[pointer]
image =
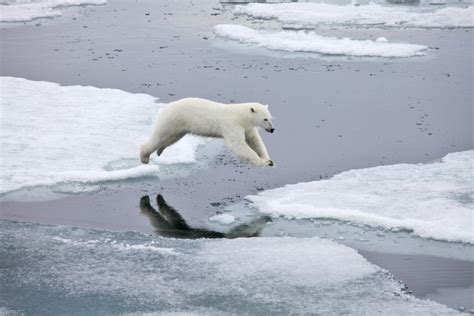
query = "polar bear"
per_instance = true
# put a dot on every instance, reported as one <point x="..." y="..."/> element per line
<point x="236" y="123"/>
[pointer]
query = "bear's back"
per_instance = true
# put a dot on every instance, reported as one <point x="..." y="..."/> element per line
<point x="197" y="103"/>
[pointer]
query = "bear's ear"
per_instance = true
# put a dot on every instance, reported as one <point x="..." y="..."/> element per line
<point x="252" y="110"/>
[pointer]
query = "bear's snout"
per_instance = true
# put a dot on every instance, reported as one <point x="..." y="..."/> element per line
<point x="271" y="130"/>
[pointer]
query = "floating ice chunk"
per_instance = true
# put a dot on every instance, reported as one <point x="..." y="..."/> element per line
<point x="252" y="276"/>
<point x="432" y="200"/>
<point x="313" y="14"/>
<point x="382" y="40"/>
<point x="52" y="134"/>
<point x="27" y="11"/>
<point x="225" y="219"/>
<point x="291" y="41"/>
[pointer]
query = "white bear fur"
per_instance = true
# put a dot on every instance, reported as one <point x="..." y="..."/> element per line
<point x="236" y="123"/>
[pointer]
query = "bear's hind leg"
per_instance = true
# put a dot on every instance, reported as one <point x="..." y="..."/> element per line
<point x="168" y="141"/>
<point x="144" y="155"/>
<point x="253" y="139"/>
<point x="156" y="143"/>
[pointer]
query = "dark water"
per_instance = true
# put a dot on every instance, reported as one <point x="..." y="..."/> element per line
<point x="330" y="115"/>
<point x="166" y="221"/>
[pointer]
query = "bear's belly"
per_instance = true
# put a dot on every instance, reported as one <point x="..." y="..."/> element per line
<point x="212" y="134"/>
<point x="206" y="128"/>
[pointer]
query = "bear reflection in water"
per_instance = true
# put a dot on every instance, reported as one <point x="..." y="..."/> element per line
<point x="169" y="223"/>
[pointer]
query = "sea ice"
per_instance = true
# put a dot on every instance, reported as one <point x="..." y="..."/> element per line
<point x="29" y="10"/>
<point x="433" y="200"/>
<point x="301" y="41"/>
<point x="313" y="14"/>
<point x="82" y="271"/>
<point x="53" y="134"/>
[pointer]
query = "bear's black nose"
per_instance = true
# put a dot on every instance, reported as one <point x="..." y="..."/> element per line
<point x="271" y="130"/>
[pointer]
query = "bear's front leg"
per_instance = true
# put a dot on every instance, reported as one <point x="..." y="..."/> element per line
<point x="253" y="139"/>
<point x="241" y="149"/>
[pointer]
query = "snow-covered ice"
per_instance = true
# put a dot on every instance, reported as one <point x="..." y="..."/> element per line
<point x="300" y="41"/>
<point x="19" y="11"/>
<point x="54" y="134"/>
<point x="433" y="200"/>
<point x="224" y="219"/>
<point x="314" y="14"/>
<point x="117" y="273"/>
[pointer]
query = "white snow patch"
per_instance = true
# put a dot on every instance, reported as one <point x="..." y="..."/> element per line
<point x="30" y="10"/>
<point x="225" y="219"/>
<point x="433" y="200"/>
<point x="53" y="134"/>
<point x="282" y="258"/>
<point x="313" y="14"/>
<point x="301" y="41"/>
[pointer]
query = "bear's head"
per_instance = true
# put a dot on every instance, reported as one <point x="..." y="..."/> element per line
<point x="260" y="116"/>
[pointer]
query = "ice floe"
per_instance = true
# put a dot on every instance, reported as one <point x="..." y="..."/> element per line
<point x="59" y="268"/>
<point x="433" y="200"/>
<point x="29" y="10"/>
<point x="300" y="41"/>
<point x="54" y="134"/>
<point x="313" y="14"/>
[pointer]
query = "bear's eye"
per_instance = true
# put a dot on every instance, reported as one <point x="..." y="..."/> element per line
<point x="265" y="120"/>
